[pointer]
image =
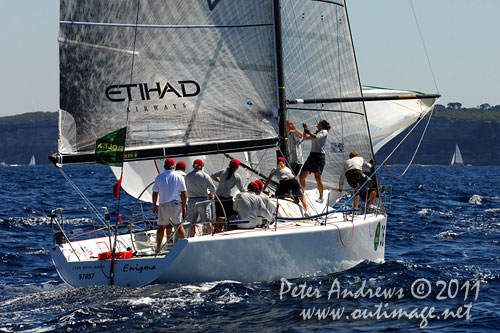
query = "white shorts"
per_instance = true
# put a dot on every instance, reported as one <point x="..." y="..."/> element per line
<point x="169" y="212"/>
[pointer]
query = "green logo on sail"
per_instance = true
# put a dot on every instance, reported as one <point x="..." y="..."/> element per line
<point x="376" y="240"/>
<point x="110" y="148"/>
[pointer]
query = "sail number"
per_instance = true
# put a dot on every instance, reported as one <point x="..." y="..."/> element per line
<point x="85" y="276"/>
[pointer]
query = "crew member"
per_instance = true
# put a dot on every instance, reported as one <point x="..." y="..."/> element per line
<point x="170" y="189"/>
<point x="288" y="184"/>
<point x="353" y="172"/>
<point x="199" y="186"/>
<point x="249" y="206"/>
<point x="228" y="179"/>
<point x="315" y="163"/>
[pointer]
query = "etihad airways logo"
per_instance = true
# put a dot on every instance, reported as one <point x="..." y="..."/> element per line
<point x="146" y="92"/>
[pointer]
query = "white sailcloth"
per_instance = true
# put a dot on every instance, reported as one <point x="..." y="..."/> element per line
<point x="457" y="158"/>
<point x="305" y="53"/>
<point x="179" y="76"/>
<point x="139" y="175"/>
<point x="387" y="119"/>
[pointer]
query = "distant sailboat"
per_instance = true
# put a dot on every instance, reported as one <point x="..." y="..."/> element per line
<point x="32" y="160"/>
<point x="457" y="157"/>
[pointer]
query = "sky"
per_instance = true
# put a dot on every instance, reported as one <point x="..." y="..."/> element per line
<point x="461" y="38"/>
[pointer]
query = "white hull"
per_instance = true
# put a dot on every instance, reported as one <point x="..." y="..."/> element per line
<point x="293" y="250"/>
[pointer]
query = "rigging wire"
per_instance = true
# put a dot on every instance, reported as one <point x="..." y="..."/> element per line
<point x="416" y="149"/>
<point x="94" y="210"/>
<point x="425" y="48"/>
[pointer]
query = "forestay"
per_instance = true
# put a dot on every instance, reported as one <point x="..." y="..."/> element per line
<point x="186" y="77"/>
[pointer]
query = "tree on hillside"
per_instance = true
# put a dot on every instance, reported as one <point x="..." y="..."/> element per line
<point x="440" y="107"/>
<point x="484" y="106"/>
<point x="454" y="105"/>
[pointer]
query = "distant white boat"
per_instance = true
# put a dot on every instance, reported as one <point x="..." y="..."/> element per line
<point x="32" y="160"/>
<point x="457" y="157"/>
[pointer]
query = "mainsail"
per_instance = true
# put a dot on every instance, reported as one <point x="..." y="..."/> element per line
<point x="188" y="78"/>
<point x="319" y="63"/>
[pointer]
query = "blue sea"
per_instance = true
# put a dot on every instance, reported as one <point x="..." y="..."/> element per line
<point x="441" y="270"/>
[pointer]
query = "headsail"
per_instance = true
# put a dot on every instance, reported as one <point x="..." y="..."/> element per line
<point x="389" y="118"/>
<point x="191" y="77"/>
<point x="319" y="63"/>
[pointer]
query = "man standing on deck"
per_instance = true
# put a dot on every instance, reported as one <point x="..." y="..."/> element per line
<point x="170" y="187"/>
<point x="199" y="185"/>
<point x="315" y="163"/>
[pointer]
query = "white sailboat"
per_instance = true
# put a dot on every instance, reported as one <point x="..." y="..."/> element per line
<point x="205" y="78"/>
<point x="32" y="160"/>
<point x="457" y="157"/>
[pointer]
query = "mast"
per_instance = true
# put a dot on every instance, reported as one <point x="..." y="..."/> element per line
<point x="283" y="147"/>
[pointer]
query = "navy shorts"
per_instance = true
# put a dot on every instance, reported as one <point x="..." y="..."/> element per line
<point x="227" y="206"/>
<point x="315" y="163"/>
<point x="289" y="185"/>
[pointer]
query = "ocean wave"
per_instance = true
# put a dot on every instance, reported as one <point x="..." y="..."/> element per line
<point x="476" y="199"/>
<point x="449" y="234"/>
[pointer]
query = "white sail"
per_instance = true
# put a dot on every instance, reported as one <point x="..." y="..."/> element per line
<point x="182" y="76"/>
<point x="387" y="119"/>
<point x="319" y="63"/>
<point x="32" y="160"/>
<point x="138" y="175"/>
<point x="309" y="30"/>
<point x="457" y="158"/>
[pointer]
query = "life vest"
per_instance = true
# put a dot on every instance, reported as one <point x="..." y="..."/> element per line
<point x="118" y="255"/>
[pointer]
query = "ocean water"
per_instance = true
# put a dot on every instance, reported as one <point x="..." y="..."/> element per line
<point x="441" y="270"/>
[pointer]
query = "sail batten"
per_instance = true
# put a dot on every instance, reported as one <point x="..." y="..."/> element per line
<point x="150" y="26"/>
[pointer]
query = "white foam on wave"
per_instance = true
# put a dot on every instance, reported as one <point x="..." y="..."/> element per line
<point x="141" y="301"/>
<point x="424" y="211"/>
<point x="476" y="199"/>
<point x="449" y="234"/>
